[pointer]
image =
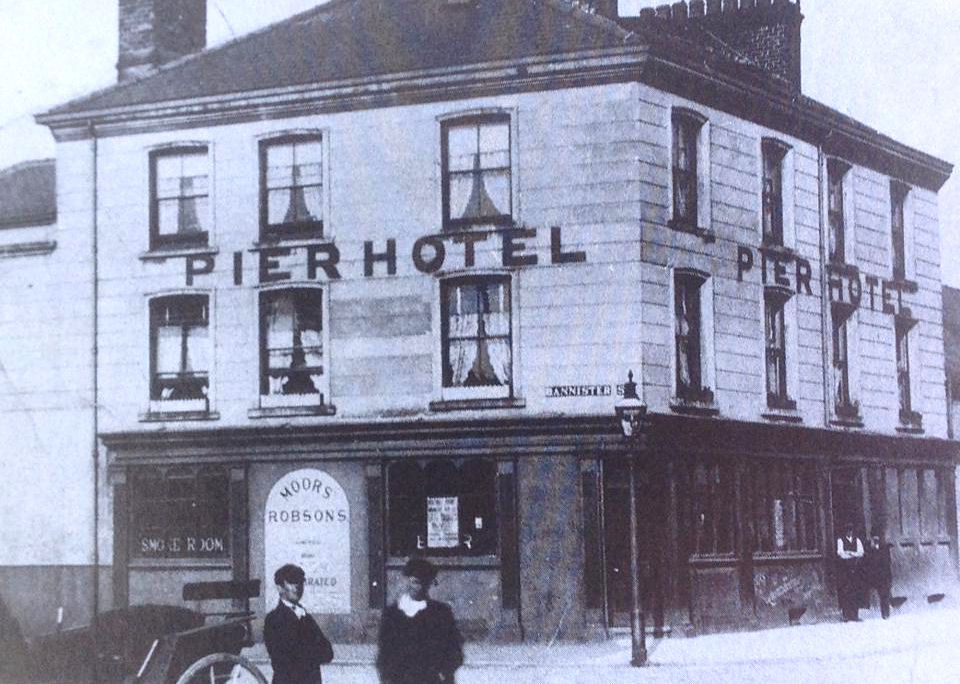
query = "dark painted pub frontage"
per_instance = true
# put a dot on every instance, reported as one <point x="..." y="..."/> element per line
<point x="736" y="520"/>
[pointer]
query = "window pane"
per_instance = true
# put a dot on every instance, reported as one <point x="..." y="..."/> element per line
<point x="198" y="349"/>
<point x="461" y="148"/>
<point x="495" y="144"/>
<point x="169" y="349"/>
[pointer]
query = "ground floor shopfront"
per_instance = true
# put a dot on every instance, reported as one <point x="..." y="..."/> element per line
<point x="528" y="519"/>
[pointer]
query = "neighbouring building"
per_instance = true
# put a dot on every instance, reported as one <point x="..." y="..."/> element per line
<point x="46" y="400"/>
<point x="369" y="282"/>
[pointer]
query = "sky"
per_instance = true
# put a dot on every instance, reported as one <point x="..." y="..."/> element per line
<point x="892" y="65"/>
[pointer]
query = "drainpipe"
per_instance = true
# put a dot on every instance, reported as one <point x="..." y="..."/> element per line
<point x="95" y="390"/>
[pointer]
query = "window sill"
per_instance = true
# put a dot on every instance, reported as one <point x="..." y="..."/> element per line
<point x="777" y="249"/>
<point x="173" y="251"/>
<point x="782" y="415"/>
<point x="909" y="430"/>
<point x="849" y="270"/>
<point x="179" y="563"/>
<point x="480" y="561"/>
<point x="271" y="242"/>
<point x="694" y="408"/>
<point x="292" y="410"/>
<point x="779" y="556"/>
<point x="705" y="234"/>
<point x="847" y="422"/>
<point x="444" y="405"/>
<point x="162" y="416"/>
<point x="847" y="415"/>
<point x="723" y="559"/>
<point x="905" y="284"/>
<point x="22" y="249"/>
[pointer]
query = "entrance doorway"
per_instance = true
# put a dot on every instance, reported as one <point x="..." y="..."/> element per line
<point x="847" y="491"/>
<point x="616" y="542"/>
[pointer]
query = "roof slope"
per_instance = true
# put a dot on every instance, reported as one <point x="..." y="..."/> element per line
<point x="28" y="194"/>
<point x="350" y="39"/>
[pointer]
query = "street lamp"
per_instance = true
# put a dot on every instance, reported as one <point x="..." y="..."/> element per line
<point x="632" y="414"/>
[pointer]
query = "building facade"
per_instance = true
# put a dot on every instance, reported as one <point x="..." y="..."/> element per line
<point x="379" y="298"/>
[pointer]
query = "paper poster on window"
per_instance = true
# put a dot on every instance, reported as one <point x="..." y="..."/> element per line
<point x="443" y="527"/>
<point x="779" y="537"/>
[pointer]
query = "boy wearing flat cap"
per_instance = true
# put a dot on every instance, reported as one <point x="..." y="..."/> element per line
<point x="294" y="641"/>
<point x="419" y="641"/>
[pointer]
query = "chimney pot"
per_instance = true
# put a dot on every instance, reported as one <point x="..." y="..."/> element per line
<point x="663" y="11"/>
<point x="696" y="8"/>
<point x="648" y="12"/>
<point x="730" y="6"/>
<point x="679" y="11"/>
<point x="713" y="6"/>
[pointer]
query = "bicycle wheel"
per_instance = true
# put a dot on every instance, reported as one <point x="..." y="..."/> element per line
<point x="222" y="668"/>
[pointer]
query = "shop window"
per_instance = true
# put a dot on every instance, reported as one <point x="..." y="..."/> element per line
<point x="775" y="334"/>
<point x="785" y="507"/>
<point x="837" y="172"/>
<point x="180" y="352"/>
<point x="687" y="127"/>
<point x="898" y="198"/>
<point x="179" y="207"/>
<point x="713" y="506"/>
<point x="477" y="176"/>
<point x="689" y="336"/>
<point x="179" y="512"/>
<point x="291" y="187"/>
<point x="442" y="508"/>
<point x="477" y="337"/>
<point x="291" y="345"/>
<point x="774" y="155"/>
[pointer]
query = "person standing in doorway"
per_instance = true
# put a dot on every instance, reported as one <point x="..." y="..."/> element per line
<point x="877" y="573"/>
<point x="419" y="642"/>
<point x="296" y="645"/>
<point x="849" y="554"/>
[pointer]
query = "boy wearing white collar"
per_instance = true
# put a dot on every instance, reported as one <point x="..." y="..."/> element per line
<point x="296" y="645"/>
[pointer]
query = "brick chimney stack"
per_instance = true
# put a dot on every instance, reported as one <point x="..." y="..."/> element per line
<point x="766" y="32"/>
<point x="154" y="32"/>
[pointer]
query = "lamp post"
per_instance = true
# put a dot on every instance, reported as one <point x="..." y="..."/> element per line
<point x="632" y="414"/>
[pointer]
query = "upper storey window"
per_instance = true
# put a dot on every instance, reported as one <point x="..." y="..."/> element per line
<point x="291" y="187"/>
<point x="898" y="200"/>
<point x="291" y="343"/>
<point x="477" y="178"/>
<point x="477" y="337"/>
<point x="179" y="207"/>
<point x="836" y="173"/>
<point x="687" y="168"/>
<point x="774" y="155"/>
<point x="180" y="350"/>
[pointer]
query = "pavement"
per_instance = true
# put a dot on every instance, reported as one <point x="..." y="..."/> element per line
<point x="918" y="648"/>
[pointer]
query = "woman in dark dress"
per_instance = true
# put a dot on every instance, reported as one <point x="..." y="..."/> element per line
<point x="419" y="641"/>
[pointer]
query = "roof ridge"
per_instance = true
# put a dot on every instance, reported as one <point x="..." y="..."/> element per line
<point x="299" y="17"/>
<point x="25" y="164"/>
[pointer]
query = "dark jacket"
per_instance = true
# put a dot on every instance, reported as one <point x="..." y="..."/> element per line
<point x="424" y="649"/>
<point x="876" y="566"/>
<point x="296" y="646"/>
